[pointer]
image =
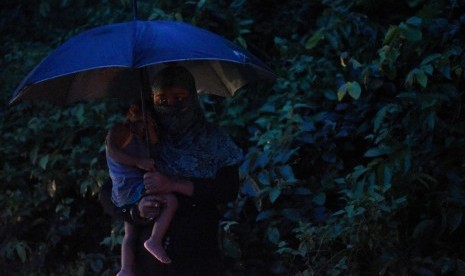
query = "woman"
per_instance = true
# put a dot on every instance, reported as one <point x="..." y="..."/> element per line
<point x="196" y="161"/>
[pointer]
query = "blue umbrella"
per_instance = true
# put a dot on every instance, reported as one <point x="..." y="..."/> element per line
<point x="105" y="62"/>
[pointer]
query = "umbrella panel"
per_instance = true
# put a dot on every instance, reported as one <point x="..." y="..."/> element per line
<point x="211" y="76"/>
<point x="219" y="66"/>
<point x="120" y="83"/>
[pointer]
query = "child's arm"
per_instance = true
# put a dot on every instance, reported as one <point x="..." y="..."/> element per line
<point x="117" y="138"/>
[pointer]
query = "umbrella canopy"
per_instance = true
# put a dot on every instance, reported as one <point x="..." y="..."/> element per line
<point x="104" y="62"/>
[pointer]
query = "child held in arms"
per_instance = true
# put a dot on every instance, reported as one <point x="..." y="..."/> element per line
<point x="127" y="158"/>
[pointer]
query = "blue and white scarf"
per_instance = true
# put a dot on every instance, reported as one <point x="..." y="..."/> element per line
<point x="190" y="147"/>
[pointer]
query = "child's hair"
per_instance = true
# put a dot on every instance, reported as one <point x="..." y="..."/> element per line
<point x="138" y="102"/>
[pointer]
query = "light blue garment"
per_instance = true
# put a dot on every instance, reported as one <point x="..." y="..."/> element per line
<point x="128" y="182"/>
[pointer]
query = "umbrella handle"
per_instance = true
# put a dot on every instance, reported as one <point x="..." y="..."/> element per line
<point x="144" y="91"/>
<point x="134" y="9"/>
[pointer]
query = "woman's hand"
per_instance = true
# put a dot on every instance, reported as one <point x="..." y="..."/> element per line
<point x="149" y="206"/>
<point x="158" y="183"/>
<point x="146" y="164"/>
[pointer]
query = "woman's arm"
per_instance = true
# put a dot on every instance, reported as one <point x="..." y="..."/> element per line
<point x="223" y="188"/>
<point x="147" y="207"/>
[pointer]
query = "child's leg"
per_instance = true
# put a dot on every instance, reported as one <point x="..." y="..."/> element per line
<point x="155" y="243"/>
<point x="127" y="250"/>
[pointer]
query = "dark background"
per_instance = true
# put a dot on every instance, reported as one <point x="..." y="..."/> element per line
<point x="354" y="155"/>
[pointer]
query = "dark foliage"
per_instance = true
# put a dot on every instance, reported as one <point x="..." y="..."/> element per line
<point x="354" y="156"/>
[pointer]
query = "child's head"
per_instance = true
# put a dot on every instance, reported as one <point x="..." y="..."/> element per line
<point x="134" y="112"/>
<point x="135" y="120"/>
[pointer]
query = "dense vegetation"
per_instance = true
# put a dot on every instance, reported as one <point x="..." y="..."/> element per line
<point x="354" y="155"/>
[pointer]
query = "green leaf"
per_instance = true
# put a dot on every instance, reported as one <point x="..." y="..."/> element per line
<point x="376" y="197"/>
<point x="96" y="265"/>
<point x="340" y="212"/>
<point x="262" y="160"/>
<point x="411" y="33"/>
<point x="400" y="200"/>
<point x="268" y="107"/>
<point x="359" y="188"/>
<point x="422" y="227"/>
<point x="291" y="214"/>
<point x="320" y="199"/>
<point x="359" y="211"/>
<point x="378" y="151"/>
<point x="354" y="90"/>
<point x="431" y="120"/>
<point x="273" y="235"/>
<point x="430" y="58"/>
<point x="428" y="69"/>
<point x="80" y="114"/>
<point x="341" y="92"/>
<point x="68" y="200"/>
<point x="287" y="173"/>
<point x="244" y="169"/>
<point x="385" y="208"/>
<point x="44" y="9"/>
<point x="391" y="34"/>
<point x="421" y="78"/>
<point x="231" y="248"/>
<point x="43" y="161"/>
<point x="379" y="117"/>
<point x="274" y="194"/>
<point x="445" y="71"/>
<point x="21" y="251"/>
<point x="242" y="42"/>
<point x="245" y="22"/>
<point x="350" y="211"/>
<point x="314" y="39"/>
<point x="264" y="215"/>
<point x="415" y="21"/>
<point x="264" y="178"/>
<point x="355" y="63"/>
<point x="387" y="178"/>
<point x="279" y="41"/>
<point x="33" y="154"/>
<point x="411" y="76"/>
<point x="358" y="171"/>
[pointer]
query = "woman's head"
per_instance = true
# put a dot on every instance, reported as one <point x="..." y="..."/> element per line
<point x="175" y="101"/>
<point x="189" y="147"/>
<point x="174" y="76"/>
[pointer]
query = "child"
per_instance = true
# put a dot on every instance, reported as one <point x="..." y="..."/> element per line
<point x="127" y="159"/>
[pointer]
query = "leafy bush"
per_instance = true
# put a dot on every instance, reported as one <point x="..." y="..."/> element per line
<point x="354" y="156"/>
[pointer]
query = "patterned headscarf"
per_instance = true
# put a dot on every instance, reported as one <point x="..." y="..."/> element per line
<point x="189" y="146"/>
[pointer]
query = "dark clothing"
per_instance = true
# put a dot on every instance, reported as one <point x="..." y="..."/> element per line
<point x="192" y="238"/>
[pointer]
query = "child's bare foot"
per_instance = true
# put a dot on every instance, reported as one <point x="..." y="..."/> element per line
<point x="126" y="272"/>
<point x="157" y="251"/>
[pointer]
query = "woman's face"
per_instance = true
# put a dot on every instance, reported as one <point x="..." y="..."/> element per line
<point x="170" y="96"/>
<point x="176" y="109"/>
